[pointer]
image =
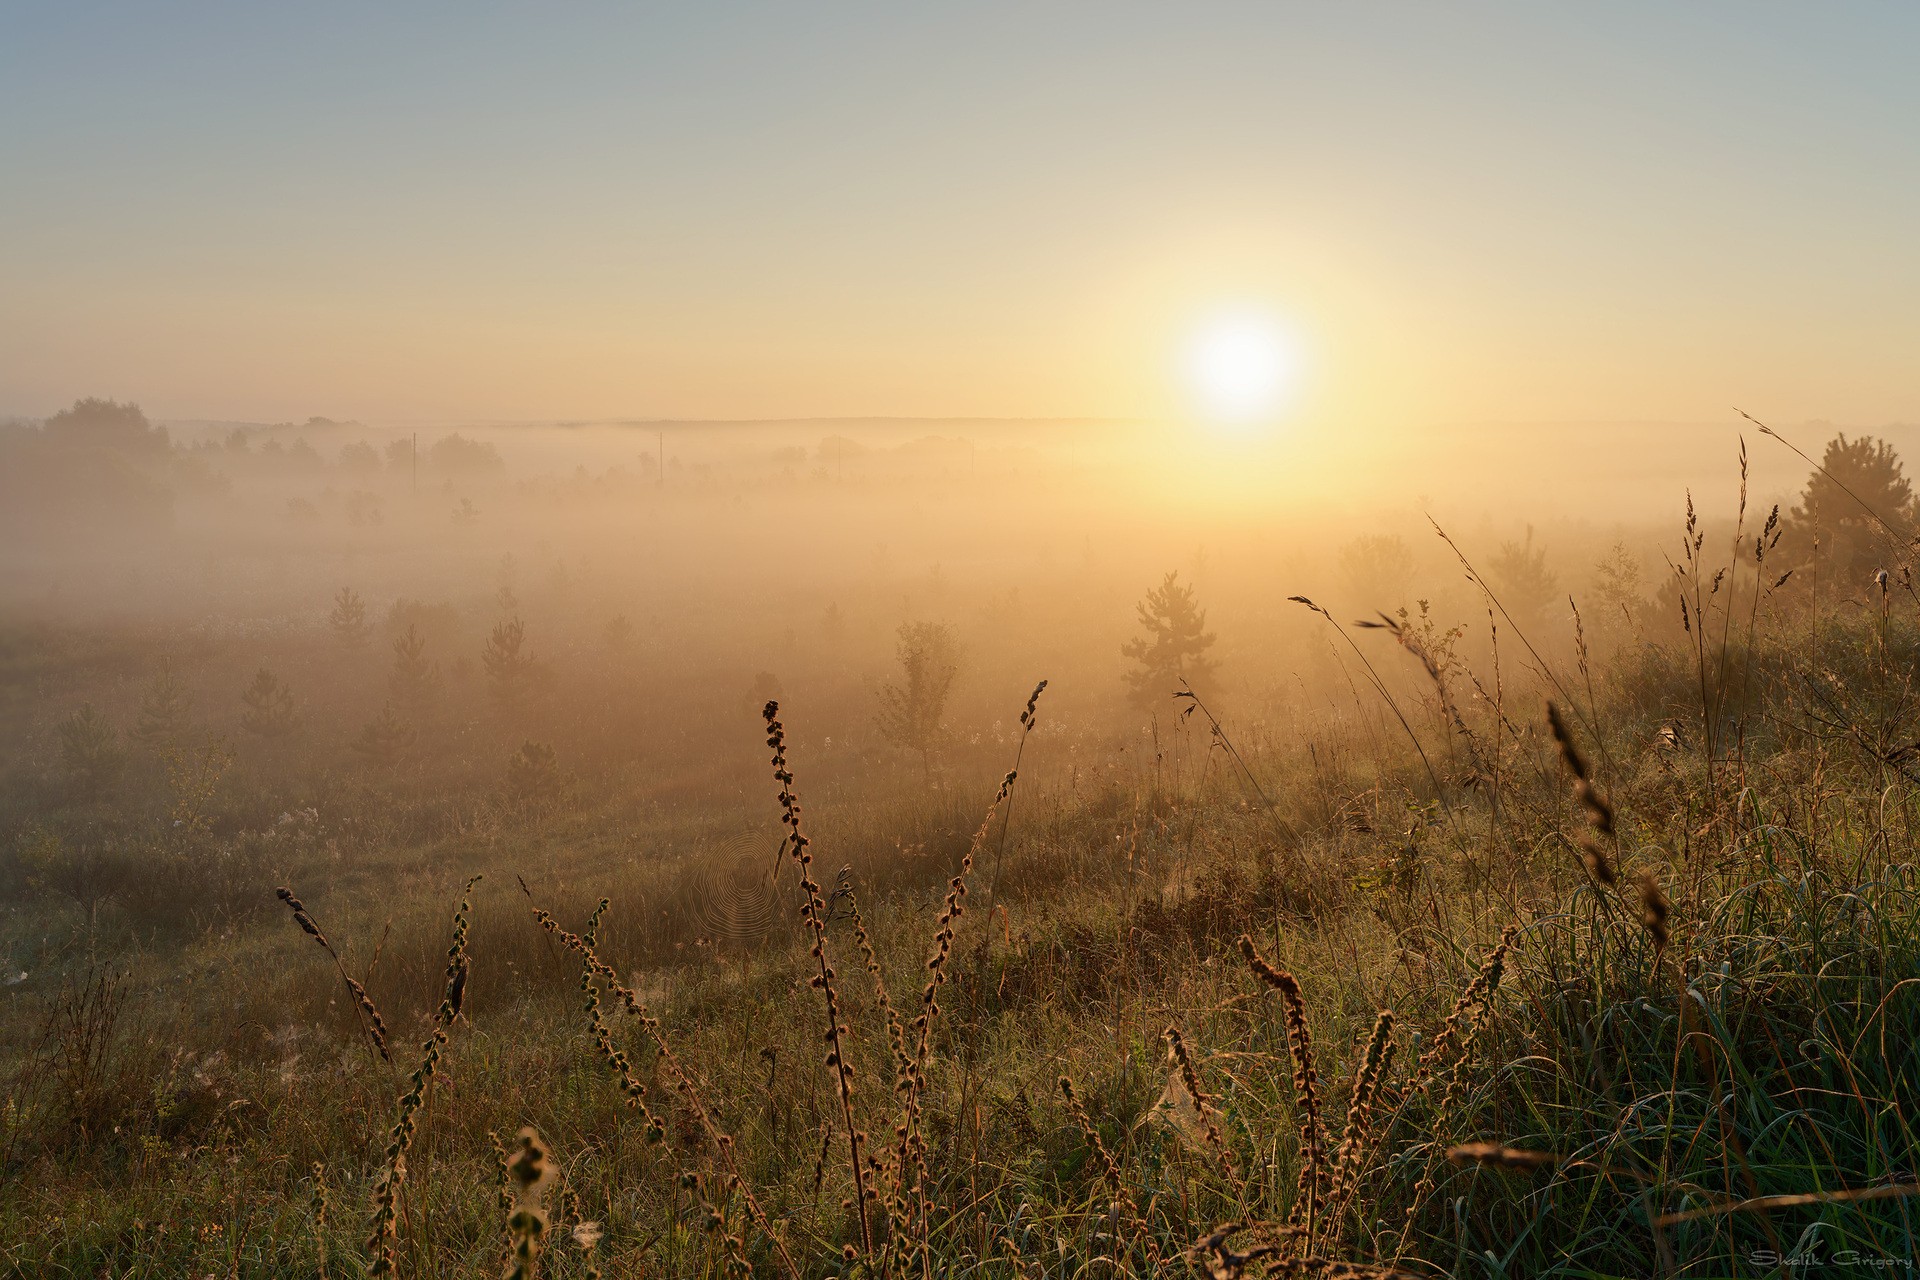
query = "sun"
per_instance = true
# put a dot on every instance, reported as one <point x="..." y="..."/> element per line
<point x="1241" y="367"/>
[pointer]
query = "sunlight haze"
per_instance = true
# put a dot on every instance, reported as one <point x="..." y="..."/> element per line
<point x="472" y="212"/>
<point x="1083" y="641"/>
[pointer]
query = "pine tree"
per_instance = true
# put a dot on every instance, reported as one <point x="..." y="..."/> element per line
<point x="349" y="619"/>
<point x="385" y="740"/>
<point x="1174" y="648"/>
<point x="193" y="775"/>
<point x="1527" y="586"/>
<point x="511" y="671"/>
<point x="1617" y="585"/>
<point x="1379" y="569"/>
<point x="162" y="720"/>
<point x="1861" y="507"/>
<point x="414" y="681"/>
<point x="533" y="775"/>
<point x="269" y="706"/>
<point x="911" y="711"/>
<point x="89" y="752"/>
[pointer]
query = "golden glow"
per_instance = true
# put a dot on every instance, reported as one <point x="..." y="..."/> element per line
<point x="1445" y="248"/>
<point x="1241" y="368"/>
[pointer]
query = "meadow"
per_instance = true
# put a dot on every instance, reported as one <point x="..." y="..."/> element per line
<point x="491" y="883"/>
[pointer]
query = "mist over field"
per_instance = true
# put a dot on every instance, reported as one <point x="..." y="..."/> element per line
<point x="666" y="575"/>
<point x="361" y="667"/>
<point x="959" y="642"/>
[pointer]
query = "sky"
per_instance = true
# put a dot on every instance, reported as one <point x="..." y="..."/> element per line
<point x="1458" y="213"/>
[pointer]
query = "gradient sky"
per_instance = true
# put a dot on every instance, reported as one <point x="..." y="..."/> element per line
<point x="1518" y="212"/>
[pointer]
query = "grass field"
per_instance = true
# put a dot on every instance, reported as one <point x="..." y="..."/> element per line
<point x="1419" y="983"/>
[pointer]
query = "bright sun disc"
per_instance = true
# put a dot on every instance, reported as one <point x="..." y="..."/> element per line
<point x="1240" y="368"/>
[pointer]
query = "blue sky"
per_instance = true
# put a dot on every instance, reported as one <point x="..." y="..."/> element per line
<point x="1514" y="211"/>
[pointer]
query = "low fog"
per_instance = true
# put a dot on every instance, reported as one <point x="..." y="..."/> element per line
<point x="1294" y="683"/>
<point x="708" y="556"/>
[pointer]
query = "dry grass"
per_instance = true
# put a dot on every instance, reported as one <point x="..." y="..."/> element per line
<point x="1693" y="1043"/>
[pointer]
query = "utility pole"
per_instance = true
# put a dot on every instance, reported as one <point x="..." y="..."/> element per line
<point x="416" y="464"/>
<point x="660" y="473"/>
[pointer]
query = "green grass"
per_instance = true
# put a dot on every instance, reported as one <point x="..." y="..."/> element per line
<point x="184" y="1119"/>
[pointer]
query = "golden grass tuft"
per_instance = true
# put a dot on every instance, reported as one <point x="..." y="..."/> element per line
<point x="1441" y="1072"/>
<point x="1209" y="1114"/>
<point x="1308" y="1197"/>
<point x="1598" y="811"/>
<point x="911" y="1151"/>
<point x="814" y="910"/>
<point x="1355" y="1139"/>
<point x="601" y="973"/>
<point x="530" y="1171"/>
<point x="1655" y="911"/>
<point x="369" y="1013"/>
<point x="386" y="1193"/>
<point x="1125" y="1209"/>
